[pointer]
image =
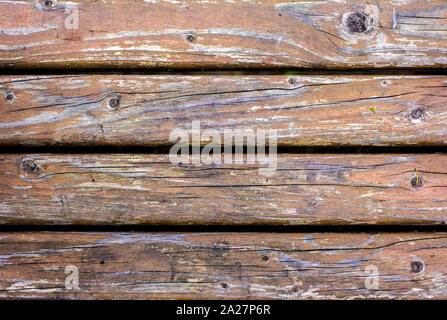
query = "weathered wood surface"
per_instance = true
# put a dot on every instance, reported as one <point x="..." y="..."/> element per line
<point x="306" y="189"/>
<point x="325" y="110"/>
<point x="224" y="265"/>
<point x="219" y="33"/>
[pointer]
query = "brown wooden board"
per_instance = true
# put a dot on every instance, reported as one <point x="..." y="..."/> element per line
<point x="138" y="110"/>
<point x="219" y="33"/>
<point x="224" y="265"/>
<point x="305" y="189"/>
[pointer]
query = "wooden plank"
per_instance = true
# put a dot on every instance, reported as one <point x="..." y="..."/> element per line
<point x="306" y="189"/>
<point x="305" y="110"/>
<point x="224" y="265"/>
<point x="219" y="33"/>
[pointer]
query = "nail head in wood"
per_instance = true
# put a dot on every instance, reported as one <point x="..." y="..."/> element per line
<point x="190" y="38"/>
<point x="49" y="4"/>
<point x="9" y="97"/>
<point x="114" y="103"/>
<point x="417" y="113"/>
<point x="416" y="266"/>
<point x="416" y="182"/>
<point x="292" y="81"/>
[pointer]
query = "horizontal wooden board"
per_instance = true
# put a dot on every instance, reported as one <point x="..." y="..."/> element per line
<point x="141" y="110"/>
<point x="219" y="33"/>
<point x="224" y="265"/>
<point x="305" y="189"/>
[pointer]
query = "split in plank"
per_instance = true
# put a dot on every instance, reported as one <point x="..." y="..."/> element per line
<point x="306" y="189"/>
<point x="140" y="110"/>
<point x="223" y="34"/>
<point x="224" y="265"/>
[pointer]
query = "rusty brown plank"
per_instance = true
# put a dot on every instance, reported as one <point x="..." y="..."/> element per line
<point x="224" y="265"/>
<point x="191" y="33"/>
<point x="143" y="110"/>
<point x="304" y="189"/>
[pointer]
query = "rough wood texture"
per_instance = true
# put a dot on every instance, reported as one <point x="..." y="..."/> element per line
<point x="185" y="33"/>
<point x="326" y="110"/>
<point x="147" y="189"/>
<point x="224" y="265"/>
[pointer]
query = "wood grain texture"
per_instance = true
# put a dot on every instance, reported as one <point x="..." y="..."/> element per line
<point x="305" y="111"/>
<point x="219" y="33"/>
<point x="306" y="189"/>
<point x="224" y="265"/>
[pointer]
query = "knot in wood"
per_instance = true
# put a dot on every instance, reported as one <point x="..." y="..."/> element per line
<point x="416" y="266"/>
<point x="29" y="166"/>
<point x="356" y="22"/>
